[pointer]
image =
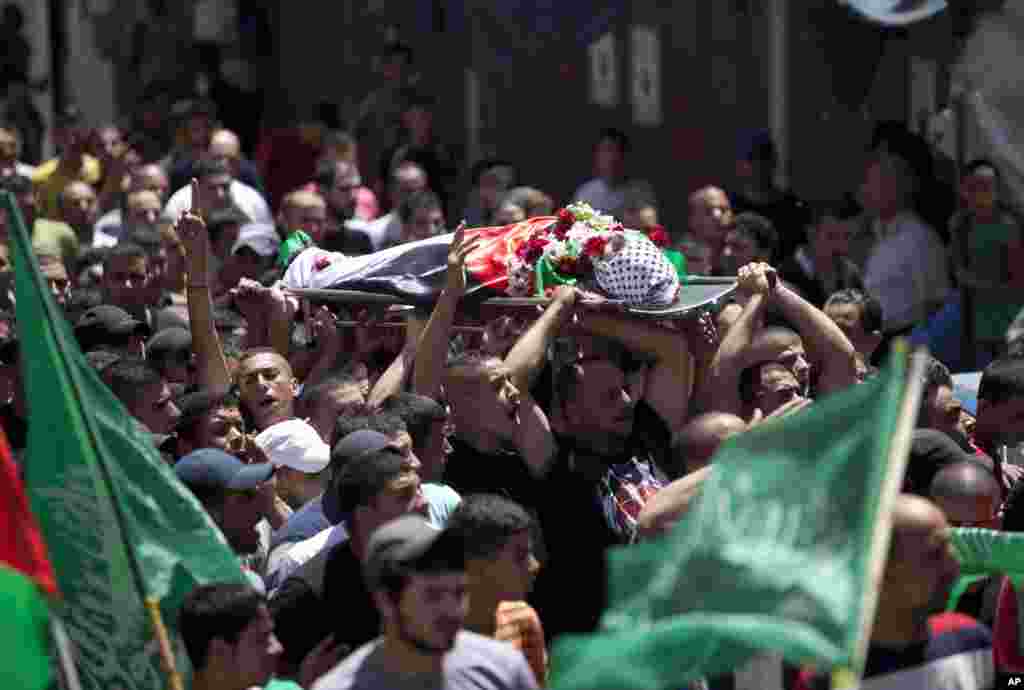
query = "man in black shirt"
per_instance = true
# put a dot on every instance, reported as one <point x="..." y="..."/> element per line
<point x="328" y="594"/>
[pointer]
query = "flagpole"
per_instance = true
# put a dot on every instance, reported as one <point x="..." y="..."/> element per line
<point x="65" y="657"/>
<point x="24" y="253"/>
<point x="899" y="452"/>
<point x="163" y="639"/>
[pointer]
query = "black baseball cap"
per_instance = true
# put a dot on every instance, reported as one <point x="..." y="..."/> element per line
<point x="410" y="544"/>
<point x="347" y="449"/>
<point x="107" y="324"/>
<point x="174" y="343"/>
<point x="214" y="469"/>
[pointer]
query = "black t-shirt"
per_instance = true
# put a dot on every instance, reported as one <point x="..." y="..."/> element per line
<point x="470" y="471"/>
<point x="325" y="595"/>
<point x="297" y="609"/>
<point x="571" y="589"/>
<point x="347" y="603"/>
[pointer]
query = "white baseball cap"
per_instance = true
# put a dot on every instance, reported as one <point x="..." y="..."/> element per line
<point x="260" y="237"/>
<point x="295" y="444"/>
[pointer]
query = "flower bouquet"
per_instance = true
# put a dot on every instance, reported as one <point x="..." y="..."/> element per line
<point x="583" y="247"/>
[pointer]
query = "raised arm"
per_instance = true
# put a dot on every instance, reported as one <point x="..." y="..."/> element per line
<point x="533" y="436"/>
<point x="395" y="377"/>
<point x="212" y="367"/>
<point x="526" y="358"/>
<point x="721" y="387"/>
<point x="432" y="350"/>
<point x="669" y="382"/>
<point x="827" y="344"/>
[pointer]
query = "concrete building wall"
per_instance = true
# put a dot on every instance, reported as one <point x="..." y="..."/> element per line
<point x="815" y="75"/>
<point x="89" y="75"/>
<point x="37" y="31"/>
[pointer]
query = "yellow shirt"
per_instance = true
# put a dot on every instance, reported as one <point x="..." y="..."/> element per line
<point x="50" y="181"/>
<point x="56" y="238"/>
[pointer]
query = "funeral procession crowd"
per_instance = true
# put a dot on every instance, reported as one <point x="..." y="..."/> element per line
<point x="424" y="495"/>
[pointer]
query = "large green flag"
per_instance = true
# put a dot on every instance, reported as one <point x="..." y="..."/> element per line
<point x="983" y="553"/>
<point x="119" y="525"/>
<point x="777" y="554"/>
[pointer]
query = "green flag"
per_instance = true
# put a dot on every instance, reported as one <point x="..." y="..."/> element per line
<point x="24" y="629"/>
<point x="776" y="554"/>
<point x="119" y="525"/>
<point x="983" y="553"/>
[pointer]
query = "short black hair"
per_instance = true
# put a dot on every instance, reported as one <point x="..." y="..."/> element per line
<point x="208" y="167"/>
<point x="399" y="49"/>
<point x="936" y="374"/>
<point x="870" y="307"/>
<point x="484" y="165"/>
<point x="363" y="477"/>
<point x="216" y="611"/>
<point x="195" y="406"/>
<point x="485" y="523"/>
<point x="1002" y="380"/>
<point x="387" y="424"/>
<point x="148" y="239"/>
<point x="758" y="229"/>
<point x="315" y="394"/>
<point x="418" y="412"/>
<point x="750" y="379"/>
<point x="326" y="174"/>
<point x="16" y="184"/>
<point x="130" y="377"/>
<point x="124" y="250"/>
<point x="220" y="218"/>
<point x="616" y="136"/>
<point x="418" y="201"/>
<point x="842" y="209"/>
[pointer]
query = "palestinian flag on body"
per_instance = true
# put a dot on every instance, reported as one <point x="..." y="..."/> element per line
<point x="26" y="581"/>
<point x="414" y="271"/>
<point x="527" y="259"/>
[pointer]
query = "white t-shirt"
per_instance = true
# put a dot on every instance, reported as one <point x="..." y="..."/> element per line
<point x="248" y="200"/>
<point x="608" y="199"/>
<point x="906" y="271"/>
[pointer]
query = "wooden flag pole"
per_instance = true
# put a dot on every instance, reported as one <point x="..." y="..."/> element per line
<point x="899" y="452"/>
<point x="174" y="681"/>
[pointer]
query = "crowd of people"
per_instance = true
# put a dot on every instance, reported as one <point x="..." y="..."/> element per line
<point x="434" y="493"/>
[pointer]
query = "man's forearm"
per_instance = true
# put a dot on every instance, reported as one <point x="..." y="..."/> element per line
<point x="637" y="336"/>
<point x="822" y="336"/>
<point x="526" y="358"/>
<point x="432" y="348"/>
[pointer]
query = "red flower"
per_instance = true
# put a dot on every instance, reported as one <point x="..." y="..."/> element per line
<point x="532" y="249"/>
<point x="658" y="235"/>
<point x="561" y="231"/>
<point x="321" y="263"/>
<point x="565" y="217"/>
<point x="594" y="246"/>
